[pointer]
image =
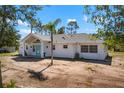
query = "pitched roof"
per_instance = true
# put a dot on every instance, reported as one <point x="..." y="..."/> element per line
<point x="76" y="38"/>
<point x="63" y="38"/>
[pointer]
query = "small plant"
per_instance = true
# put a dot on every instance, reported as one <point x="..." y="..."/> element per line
<point x="91" y="69"/>
<point x="89" y="82"/>
<point x="11" y="84"/>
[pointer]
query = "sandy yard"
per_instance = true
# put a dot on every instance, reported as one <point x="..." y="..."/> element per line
<point x="64" y="73"/>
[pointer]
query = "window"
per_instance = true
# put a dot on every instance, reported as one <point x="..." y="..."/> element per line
<point x="65" y="46"/>
<point x="84" y="48"/>
<point x="53" y="47"/>
<point x="33" y="48"/>
<point x="27" y="47"/>
<point x="93" y="48"/>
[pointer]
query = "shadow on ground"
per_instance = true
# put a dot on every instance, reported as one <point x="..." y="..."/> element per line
<point x="107" y="61"/>
<point x="26" y="59"/>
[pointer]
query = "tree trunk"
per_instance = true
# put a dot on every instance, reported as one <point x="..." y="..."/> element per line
<point x="3" y="27"/>
<point x="1" y="85"/>
<point x="51" y="48"/>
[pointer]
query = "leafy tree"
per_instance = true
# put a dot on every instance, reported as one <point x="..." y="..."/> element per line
<point x="110" y="22"/>
<point x="61" y="30"/>
<point x="31" y="15"/>
<point x="72" y="26"/>
<point x="9" y="15"/>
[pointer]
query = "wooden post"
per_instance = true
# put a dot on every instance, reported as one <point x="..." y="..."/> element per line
<point x="1" y="85"/>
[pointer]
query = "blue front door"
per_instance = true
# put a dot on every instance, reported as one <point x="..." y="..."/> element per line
<point x="38" y="50"/>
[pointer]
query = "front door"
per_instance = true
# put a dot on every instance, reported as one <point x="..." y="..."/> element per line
<point x="38" y="50"/>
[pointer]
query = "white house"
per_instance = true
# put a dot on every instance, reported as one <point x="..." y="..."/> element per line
<point x="65" y="46"/>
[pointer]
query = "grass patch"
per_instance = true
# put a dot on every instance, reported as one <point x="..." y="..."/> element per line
<point x="11" y="84"/>
<point x="111" y="53"/>
<point x="10" y="54"/>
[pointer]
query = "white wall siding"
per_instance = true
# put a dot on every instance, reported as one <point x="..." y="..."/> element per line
<point x="100" y="55"/>
<point x="21" y="49"/>
<point x="62" y="52"/>
<point x="47" y="49"/>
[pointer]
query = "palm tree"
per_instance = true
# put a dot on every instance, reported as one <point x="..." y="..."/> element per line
<point x="51" y="27"/>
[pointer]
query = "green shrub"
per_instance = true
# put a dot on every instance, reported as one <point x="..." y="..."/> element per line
<point x="11" y="84"/>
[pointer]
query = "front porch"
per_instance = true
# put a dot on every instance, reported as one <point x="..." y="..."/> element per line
<point x="35" y="47"/>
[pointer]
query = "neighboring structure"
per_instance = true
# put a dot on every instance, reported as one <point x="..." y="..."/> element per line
<point x="7" y="49"/>
<point x="65" y="46"/>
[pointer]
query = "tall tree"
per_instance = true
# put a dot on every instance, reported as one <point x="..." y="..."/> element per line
<point x="61" y="30"/>
<point x="9" y="15"/>
<point x="51" y="27"/>
<point x="72" y="27"/>
<point x="109" y="20"/>
<point x="107" y="17"/>
<point x="31" y="15"/>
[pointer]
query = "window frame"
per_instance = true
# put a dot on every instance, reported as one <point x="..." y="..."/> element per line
<point x="85" y="47"/>
<point x="54" y="47"/>
<point x="33" y="48"/>
<point x="89" y="49"/>
<point x="93" y="48"/>
<point x="26" y="47"/>
<point x="65" y="46"/>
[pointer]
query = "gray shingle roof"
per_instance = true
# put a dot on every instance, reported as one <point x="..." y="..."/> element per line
<point x="63" y="38"/>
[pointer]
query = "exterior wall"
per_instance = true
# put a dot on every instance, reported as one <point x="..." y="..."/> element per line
<point x="62" y="52"/>
<point x="30" y="51"/>
<point x="21" y="49"/>
<point x="9" y="49"/>
<point x="42" y="49"/>
<point x="47" y="49"/>
<point x="100" y="55"/>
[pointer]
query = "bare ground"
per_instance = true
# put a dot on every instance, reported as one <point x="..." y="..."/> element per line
<point x="64" y="73"/>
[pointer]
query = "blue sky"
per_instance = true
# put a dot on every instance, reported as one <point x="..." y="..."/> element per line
<point x="65" y="13"/>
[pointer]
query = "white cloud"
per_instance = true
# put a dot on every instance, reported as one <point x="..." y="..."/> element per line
<point x="85" y="18"/>
<point x="89" y="30"/>
<point x="71" y="20"/>
<point x="22" y="23"/>
<point x="25" y="31"/>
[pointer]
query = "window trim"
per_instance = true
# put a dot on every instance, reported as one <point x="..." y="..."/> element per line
<point x="33" y="48"/>
<point x="93" y="51"/>
<point x="89" y="49"/>
<point x="54" y="47"/>
<point x="65" y="47"/>
<point x="26" y="47"/>
<point x="84" y="51"/>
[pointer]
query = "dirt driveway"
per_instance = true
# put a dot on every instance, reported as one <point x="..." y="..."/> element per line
<point x="64" y="73"/>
